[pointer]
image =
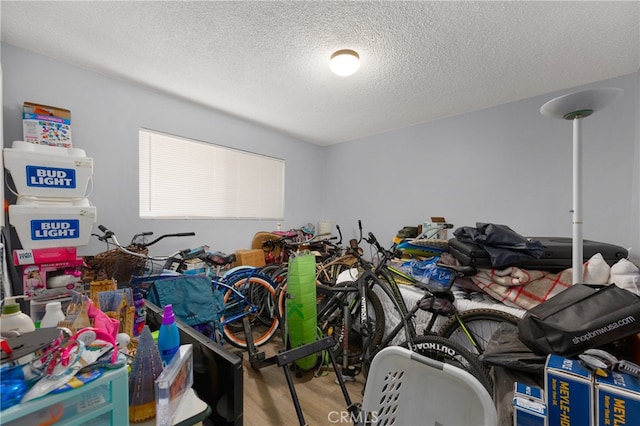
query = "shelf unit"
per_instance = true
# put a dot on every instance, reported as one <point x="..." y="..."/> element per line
<point x="105" y="401"/>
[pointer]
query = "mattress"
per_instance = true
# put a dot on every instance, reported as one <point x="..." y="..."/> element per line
<point x="464" y="301"/>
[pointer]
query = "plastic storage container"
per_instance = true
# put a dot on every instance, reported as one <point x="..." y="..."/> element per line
<point x="37" y="308"/>
<point x="104" y="401"/>
<point x="53" y="315"/>
<point x="14" y="319"/>
<point x="48" y="171"/>
<point x="52" y="223"/>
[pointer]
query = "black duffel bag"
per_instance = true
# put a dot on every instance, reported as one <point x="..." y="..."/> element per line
<point x="581" y="317"/>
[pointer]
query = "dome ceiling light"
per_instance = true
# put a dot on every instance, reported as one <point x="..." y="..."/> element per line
<point x="344" y="62"/>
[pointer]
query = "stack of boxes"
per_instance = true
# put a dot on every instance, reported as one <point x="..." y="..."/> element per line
<point x="575" y="396"/>
<point x="529" y="408"/>
<point x="51" y="215"/>
<point x="569" y="392"/>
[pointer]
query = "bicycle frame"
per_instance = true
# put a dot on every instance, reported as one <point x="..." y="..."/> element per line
<point x="408" y="315"/>
<point x="239" y="298"/>
<point x="382" y="275"/>
<point x="370" y="279"/>
<point x="339" y="297"/>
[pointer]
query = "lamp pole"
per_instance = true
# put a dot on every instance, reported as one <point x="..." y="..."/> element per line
<point x="575" y="107"/>
<point x="576" y="250"/>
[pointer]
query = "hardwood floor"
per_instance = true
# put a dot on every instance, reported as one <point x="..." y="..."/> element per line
<point x="267" y="400"/>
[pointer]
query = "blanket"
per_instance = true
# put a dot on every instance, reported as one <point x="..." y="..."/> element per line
<point x="527" y="288"/>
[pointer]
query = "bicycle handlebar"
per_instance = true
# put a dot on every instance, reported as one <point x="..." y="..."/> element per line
<point x="109" y="235"/>
<point x="179" y="234"/>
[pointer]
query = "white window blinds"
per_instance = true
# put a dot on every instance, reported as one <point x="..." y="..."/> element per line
<point x="187" y="179"/>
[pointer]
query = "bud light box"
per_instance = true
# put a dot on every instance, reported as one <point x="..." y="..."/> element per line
<point x="48" y="171"/>
<point x="568" y="392"/>
<point x="41" y="224"/>
<point x="617" y="399"/>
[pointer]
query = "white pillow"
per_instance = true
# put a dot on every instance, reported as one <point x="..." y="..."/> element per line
<point x="596" y="270"/>
<point x="626" y="275"/>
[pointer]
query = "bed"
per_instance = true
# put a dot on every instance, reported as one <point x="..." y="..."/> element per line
<point x="464" y="301"/>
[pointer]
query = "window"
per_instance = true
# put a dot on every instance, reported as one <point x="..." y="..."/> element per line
<point x="187" y="179"/>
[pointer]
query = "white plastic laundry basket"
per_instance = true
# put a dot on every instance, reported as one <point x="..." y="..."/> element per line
<point x="407" y="389"/>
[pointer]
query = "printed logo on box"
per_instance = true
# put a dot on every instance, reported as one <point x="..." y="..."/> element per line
<point x="55" y="229"/>
<point x="25" y="257"/>
<point x="51" y="177"/>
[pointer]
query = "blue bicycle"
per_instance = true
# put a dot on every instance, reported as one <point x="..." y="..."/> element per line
<point x="247" y="295"/>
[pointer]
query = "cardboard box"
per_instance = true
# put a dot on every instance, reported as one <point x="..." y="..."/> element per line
<point x="195" y="267"/>
<point x="617" y="399"/>
<point x="430" y="227"/>
<point x="44" y="255"/>
<point x="46" y="125"/>
<point x="568" y="392"/>
<point x="529" y="408"/>
<point x="253" y="257"/>
<point x="52" y="280"/>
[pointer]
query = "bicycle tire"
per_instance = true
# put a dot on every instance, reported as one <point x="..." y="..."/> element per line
<point x="267" y="308"/>
<point x="278" y="275"/>
<point x="330" y="320"/>
<point x="481" y="323"/>
<point x="449" y="352"/>
<point x="255" y="290"/>
<point x="270" y="270"/>
<point x="328" y="273"/>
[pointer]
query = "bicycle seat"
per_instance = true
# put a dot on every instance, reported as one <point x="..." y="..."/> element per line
<point x="459" y="270"/>
<point x="436" y="290"/>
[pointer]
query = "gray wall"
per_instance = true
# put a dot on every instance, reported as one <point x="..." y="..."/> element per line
<point x="507" y="164"/>
<point x="106" y="115"/>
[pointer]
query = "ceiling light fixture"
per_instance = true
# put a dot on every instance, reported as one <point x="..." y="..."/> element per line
<point x="344" y="62"/>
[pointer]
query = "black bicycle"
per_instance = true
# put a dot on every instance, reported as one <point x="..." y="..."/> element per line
<point x="352" y="312"/>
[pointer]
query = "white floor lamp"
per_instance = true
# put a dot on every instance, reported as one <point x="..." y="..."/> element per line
<point x="575" y="106"/>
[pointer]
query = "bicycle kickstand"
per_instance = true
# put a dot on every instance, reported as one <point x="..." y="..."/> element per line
<point x="257" y="359"/>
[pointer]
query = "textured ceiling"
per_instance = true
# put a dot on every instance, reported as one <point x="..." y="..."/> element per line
<point x="267" y="61"/>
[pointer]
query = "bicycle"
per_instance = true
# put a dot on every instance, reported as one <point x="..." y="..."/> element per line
<point x="249" y="302"/>
<point x="472" y="328"/>
<point x="243" y="291"/>
<point x="120" y="264"/>
<point x="330" y="257"/>
<point x="430" y="345"/>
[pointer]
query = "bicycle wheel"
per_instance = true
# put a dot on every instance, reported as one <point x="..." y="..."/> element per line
<point x="328" y="273"/>
<point x="330" y="321"/>
<point x="480" y="323"/>
<point x="270" y="270"/>
<point x="255" y="294"/>
<point x="266" y="306"/>
<point x="278" y="275"/>
<point x="449" y="352"/>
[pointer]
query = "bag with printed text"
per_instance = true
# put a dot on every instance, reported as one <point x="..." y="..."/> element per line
<point x="581" y="317"/>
